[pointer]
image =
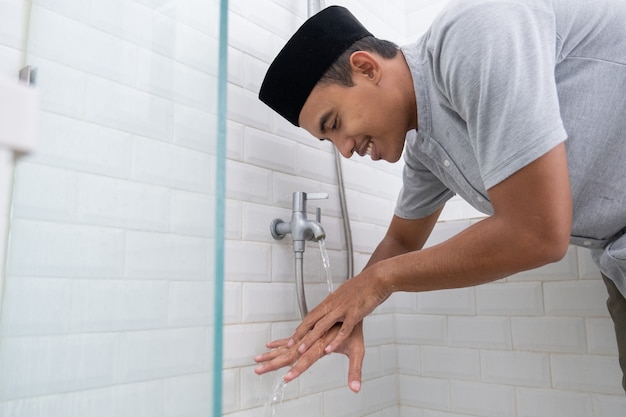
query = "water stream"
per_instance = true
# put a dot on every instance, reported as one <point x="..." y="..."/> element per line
<point x="276" y="399"/>
<point x="278" y="390"/>
<point x="326" y="263"/>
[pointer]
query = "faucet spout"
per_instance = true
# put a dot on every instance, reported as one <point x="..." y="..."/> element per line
<point x="300" y="227"/>
<point x="316" y="231"/>
<point x="303" y="229"/>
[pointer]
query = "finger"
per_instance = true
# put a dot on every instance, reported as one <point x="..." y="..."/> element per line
<point x="305" y="362"/>
<point x="277" y="343"/>
<point x="354" y="349"/>
<point x="307" y="324"/>
<point x="277" y="347"/>
<point x="343" y="333"/>
<point x="354" y="369"/>
<point x="286" y="358"/>
<point x="314" y="316"/>
<point x="318" y="332"/>
<point x="268" y="356"/>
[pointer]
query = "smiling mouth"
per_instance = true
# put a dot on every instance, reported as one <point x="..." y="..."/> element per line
<point x="366" y="147"/>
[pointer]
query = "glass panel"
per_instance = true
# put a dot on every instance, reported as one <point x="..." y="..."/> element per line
<point x="114" y="254"/>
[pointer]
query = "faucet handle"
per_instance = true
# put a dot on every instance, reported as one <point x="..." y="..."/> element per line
<point x="300" y="198"/>
<point x="316" y="196"/>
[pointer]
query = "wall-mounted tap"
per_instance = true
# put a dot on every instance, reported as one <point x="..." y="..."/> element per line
<point x="301" y="228"/>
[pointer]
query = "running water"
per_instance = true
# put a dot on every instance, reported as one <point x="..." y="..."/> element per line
<point x="326" y="263"/>
<point x="276" y="399"/>
<point x="278" y="391"/>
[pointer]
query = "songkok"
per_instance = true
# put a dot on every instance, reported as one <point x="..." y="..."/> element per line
<point x="306" y="57"/>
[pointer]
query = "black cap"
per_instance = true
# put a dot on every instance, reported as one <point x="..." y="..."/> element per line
<point x="306" y="57"/>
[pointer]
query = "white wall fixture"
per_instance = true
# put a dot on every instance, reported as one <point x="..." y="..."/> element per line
<point x="19" y="108"/>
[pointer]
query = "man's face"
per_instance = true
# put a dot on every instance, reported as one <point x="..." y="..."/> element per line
<point x="364" y="118"/>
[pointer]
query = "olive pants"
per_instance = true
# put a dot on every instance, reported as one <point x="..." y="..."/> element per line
<point x="617" y="308"/>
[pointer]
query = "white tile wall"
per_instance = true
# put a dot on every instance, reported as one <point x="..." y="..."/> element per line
<point x="482" y="399"/>
<point x="52" y="248"/>
<point x="510" y="298"/>
<point x="107" y="308"/>
<point x="421" y="329"/>
<point x="11" y="46"/>
<point x="36" y="306"/>
<point x="458" y="301"/>
<point x="35" y="366"/>
<point x="423" y="392"/>
<point x="187" y="395"/>
<point x="164" y="256"/>
<point x="162" y="353"/>
<point x="108" y="56"/>
<point x="590" y="373"/>
<point x="549" y="334"/>
<point x="480" y="332"/>
<point x="516" y="368"/>
<point x="600" y="338"/>
<point x="84" y="147"/>
<point x="450" y="362"/>
<point x="541" y="402"/>
<point x="107" y="305"/>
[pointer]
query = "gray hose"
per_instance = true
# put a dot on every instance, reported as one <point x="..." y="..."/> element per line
<point x="314" y="6"/>
<point x="300" y="285"/>
<point x="344" y="214"/>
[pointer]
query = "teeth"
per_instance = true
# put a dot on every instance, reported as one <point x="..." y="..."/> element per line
<point x="368" y="151"/>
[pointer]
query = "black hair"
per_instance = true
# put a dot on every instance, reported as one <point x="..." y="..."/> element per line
<point x="340" y="71"/>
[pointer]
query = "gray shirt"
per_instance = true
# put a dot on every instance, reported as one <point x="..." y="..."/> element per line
<point x="501" y="82"/>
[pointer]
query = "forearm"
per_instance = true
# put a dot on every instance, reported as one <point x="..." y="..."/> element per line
<point x="387" y="248"/>
<point x="404" y="236"/>
<point x="486" y="251"/>
<point x="530" y="227"/>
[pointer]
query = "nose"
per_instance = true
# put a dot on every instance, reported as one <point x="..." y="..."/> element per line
<point x="345" y="146"/>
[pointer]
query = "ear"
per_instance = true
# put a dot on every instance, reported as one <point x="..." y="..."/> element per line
<point x="366" y="64"/>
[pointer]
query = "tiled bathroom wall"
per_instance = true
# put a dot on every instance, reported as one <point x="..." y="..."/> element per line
<point x="537" y="344"/>
<point x="11" y="45"/>
<point x="108" y="296"/>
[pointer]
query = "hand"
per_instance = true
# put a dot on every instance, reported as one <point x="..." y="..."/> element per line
<point x="283" y="354"/>
<point x="347" y="306"/>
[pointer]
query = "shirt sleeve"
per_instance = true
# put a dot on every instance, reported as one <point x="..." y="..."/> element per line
<point x="422" y="192"/>
<point x="495" y="61"/>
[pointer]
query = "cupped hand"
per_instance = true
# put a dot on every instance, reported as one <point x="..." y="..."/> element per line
<point x="283" y="353"/>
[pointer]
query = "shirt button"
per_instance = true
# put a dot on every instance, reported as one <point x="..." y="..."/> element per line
<point x="587" y="243"/>
<point x="480" y="199"/>
<point x="446" y="162"/>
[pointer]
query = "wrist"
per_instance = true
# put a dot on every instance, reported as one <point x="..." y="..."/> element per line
<point x="383" y="279"/>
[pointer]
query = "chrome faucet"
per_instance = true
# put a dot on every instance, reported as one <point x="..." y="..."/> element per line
<point x="301" y="228"/>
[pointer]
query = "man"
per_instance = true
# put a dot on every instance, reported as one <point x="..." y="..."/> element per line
<point x="518" y="106"/>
